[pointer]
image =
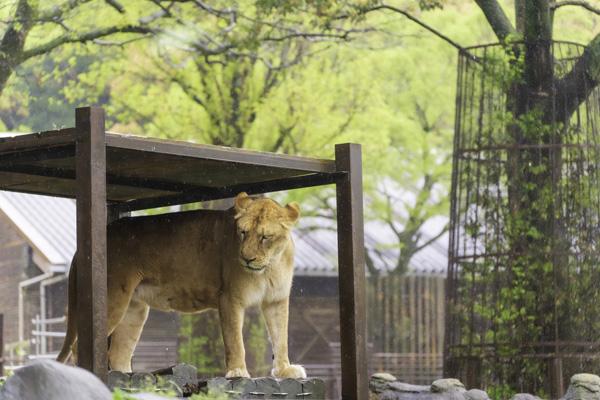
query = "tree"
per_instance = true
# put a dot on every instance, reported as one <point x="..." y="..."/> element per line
<point x="32" y="30"/>
<point x="528" y="266"/>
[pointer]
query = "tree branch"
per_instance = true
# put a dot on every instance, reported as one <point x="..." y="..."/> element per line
<point x="57" y="11"/>
<point x="575" y="87"/>
<point x="432" y="239"/>
<point x="578" y="3"/>
<point x="116" y="5"/>
<point x="13" y="41"/>
<point x="497" y="19"/>
<point x="83" y="38"/>
<point x="410" y="17"/>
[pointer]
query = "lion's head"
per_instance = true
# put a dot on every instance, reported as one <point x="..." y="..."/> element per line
<point x="263" y="228"/>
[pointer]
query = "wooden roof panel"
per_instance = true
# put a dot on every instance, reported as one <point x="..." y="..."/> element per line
<point x="144" y="169"/>
<point x="51" y="186"/>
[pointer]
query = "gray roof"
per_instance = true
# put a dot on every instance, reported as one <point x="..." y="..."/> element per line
<point x="316" y="249"/>
<point x="48" y="224"/>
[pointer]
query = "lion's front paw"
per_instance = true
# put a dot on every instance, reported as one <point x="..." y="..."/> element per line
<point x="237" y="373"/>
<point x="291" y="371"/>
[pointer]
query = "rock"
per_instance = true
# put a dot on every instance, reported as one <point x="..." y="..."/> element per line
<point x="313" y="389"/>
<point x="393" y="395"/>
<point x="268" y="386"/>
<point x="524" y="396"/>
<point x="218" y="385"/>
<point x="241" y="386"/>
<point x="383" y="381"/>
<point x="590" y="382"/>
<point x="118" y="379"/>
<point x="50" y="380"/>
<point x="186" y="378"/>
<point x="408" y="388"/>
<point x="186" y="372"/>
<point x="447" y="385"/>
<point x="291" y="387"/>
<point x="583" y="387"/>
<point x="142" y="380"/>
<point x="384" y="376"/>
<point x="476" y="394"/>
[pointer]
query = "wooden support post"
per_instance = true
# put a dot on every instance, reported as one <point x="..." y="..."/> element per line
<point x="1" y="344"/>
<point x="91" y="240"/>
<point x="555" y="375"/>
<point x="351" y="261"/>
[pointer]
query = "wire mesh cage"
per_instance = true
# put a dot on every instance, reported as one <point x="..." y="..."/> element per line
<point x="524" y="258"/>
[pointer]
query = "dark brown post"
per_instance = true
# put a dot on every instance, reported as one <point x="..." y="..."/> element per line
<point x="1" y="344"/>
<point x="555" y="373"/>
<point x="351" y="261"/>
<point x="91" y="240"/>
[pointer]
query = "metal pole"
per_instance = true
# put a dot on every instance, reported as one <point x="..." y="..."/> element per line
<point x="91" y="240"/>
<point x="351" y="261"/>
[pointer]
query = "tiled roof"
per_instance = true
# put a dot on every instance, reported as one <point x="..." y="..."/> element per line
<point x="48" y="224"/>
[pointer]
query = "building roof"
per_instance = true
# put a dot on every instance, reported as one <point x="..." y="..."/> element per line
<point x="48" y="224"/>
<point x="316" y="249"/>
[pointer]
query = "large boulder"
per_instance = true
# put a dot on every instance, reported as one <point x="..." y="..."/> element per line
<point x="524" y="396"/>
<point x="583" y="387"/>
<point x="476" y="394"/>
<point x="50" y="380"/>
<point x="447" y="385"/>
<point x="386" y="387"/>
<point x="441" y="389"/>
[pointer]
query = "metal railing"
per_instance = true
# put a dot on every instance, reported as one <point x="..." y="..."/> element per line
<point x="41" y="333"/>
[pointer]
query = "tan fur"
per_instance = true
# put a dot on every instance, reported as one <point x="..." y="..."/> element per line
<point x="194" y="261"/>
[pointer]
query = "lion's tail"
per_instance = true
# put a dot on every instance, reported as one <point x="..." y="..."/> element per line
<point x="71" y="335"/>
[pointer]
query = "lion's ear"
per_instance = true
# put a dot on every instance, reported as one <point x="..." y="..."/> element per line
<point x="293" y="212"/>
<point x="242" y="201"/>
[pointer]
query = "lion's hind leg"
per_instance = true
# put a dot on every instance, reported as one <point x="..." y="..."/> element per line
<point x="126" y="335"/>
<point x="121" y="286"/>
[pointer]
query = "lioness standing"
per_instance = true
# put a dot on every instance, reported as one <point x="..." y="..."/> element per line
<point x="194" y="261"/>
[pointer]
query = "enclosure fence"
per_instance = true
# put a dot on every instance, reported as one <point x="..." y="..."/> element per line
<point x="524" y="277"/>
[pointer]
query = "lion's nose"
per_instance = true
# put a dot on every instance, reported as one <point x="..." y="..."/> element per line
<point x="248" y="260"/>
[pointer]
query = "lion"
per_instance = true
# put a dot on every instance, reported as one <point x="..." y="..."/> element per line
<point x="194" y="261"/>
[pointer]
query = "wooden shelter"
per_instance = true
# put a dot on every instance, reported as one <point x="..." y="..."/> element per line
<point x="110" y="173"/>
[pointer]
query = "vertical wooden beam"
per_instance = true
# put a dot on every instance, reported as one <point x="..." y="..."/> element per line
<point x="351" y="261"/>
<point x="91" y="240"/>
<point x="555" y="374"/>
<point x="1" y="344"/>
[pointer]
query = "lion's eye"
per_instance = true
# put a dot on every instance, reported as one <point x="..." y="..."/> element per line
<point x="264" y="238"/>
<point x="242" y="234"/>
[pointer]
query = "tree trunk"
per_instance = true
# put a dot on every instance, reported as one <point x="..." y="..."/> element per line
<point x="534" y="177"/>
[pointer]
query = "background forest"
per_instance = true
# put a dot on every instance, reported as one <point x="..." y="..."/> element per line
<point x="270" y="80"/>
<point x="384" y="82"/>
<point x="290" y="77"/>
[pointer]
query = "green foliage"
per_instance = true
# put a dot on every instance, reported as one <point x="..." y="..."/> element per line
<point x="210" y="395"/>
<point x="201" y="344"/>
<point x="257" y="343"/>
<point x="500" y="392"/>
